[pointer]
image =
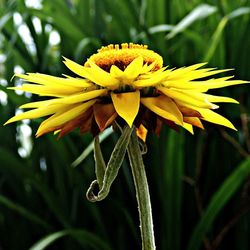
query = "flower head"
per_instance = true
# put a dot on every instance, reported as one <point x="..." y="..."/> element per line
<point x="129" y="84"/>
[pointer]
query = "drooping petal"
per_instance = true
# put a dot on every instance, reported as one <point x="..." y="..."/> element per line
<point x="188" y="112"/>
<point x="211" y="116"/>
<point x="36" y="113"/>
<point x="142" y="132"/>
<point x="164" y="107"/>
<point x="61" y="117"/>
<point x="69" y="126"/>
<point x="104" y="114"/>
<point x="188" y="127"/>
<point x="195" y="121"/>
<point x="127" y="105"/>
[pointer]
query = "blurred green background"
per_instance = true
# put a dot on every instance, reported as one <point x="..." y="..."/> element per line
<point x="200" y="185"/>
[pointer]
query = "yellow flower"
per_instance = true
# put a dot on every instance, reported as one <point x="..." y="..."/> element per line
<point x="126" y="83"/>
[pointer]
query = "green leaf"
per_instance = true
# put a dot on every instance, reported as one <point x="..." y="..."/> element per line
<point x="200" y="12"/>
<point x="172" y="151"/>
<point x="106" y="133"/>
<point x="216" y="38"/>
<point x="112" y="168"/>
<point x="23" y="211"/>
<point x="160" y="28"/>
<point x="218" y="201"/>
<point x="85" y="238"/>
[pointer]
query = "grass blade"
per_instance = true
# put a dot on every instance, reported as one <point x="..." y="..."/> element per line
<point x="90" y="148"/>
<point x="200" y="12"/>
<point x="85" y="238"/>
<point x="218" y="201"/>
<point x="23" y="211"/>
<point x="216" y="38"/>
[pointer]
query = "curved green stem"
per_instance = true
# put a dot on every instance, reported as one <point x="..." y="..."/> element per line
<point x="142" y="193"/>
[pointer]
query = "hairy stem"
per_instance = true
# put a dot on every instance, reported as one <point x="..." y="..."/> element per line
<point x="142" y="193"/>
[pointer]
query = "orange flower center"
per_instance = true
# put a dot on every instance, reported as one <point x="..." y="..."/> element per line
<point x="122" y="55"/>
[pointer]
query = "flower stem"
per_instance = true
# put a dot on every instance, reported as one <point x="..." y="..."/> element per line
<point x="142" y="193"/>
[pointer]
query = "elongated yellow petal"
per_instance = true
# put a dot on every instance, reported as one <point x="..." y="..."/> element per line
<point x="61" y="117"/>
<point x="54" y="81"/>
<point x="196" y="74"/>
<point x="211" y="116"/>
<point x="213" y="98"/>
<point x="36" y="104"/>
<point x="47" y="90"/>
<point x="127" y="105"/>
<point x="76" y="68"/>
<point x="95" y="74"/>
<point x="36" y="113"/>
<point x="152" y="81"/>
<point x="203" y="86"/>
<point x="82" y="97"/>
<point x="181" y="72"/>
<point x="188" y="127"/>
<point x="187" y="97"/>
<point x="164" y="107"/>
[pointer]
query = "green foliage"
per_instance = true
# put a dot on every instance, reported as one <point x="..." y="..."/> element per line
<point x="199" y="184"/>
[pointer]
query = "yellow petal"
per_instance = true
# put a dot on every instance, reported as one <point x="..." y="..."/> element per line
<point x="36" y="113"/>
<point x="211" y="116"/>
<point x="116" y="72"/>
<point x="54" y="81"/>
<point x="47" y="90"/>
<point x="188" y="127"/>
<point x="146" y="68"/>
<point x="203" y="86"/>
<point x="36" y="104"/>
<point x="195" y="121"/>
<point x="182" y="72"/>
<point x="213" y="98"/>
<point x="152" y="80"/>
<point x="64" y="116"/>
<point x="134" y="68"/>
<point x="196" y="74"/>
<point x="164" y="107"/>
<point x="94" y="74"/>
<point x="82" y="97"/>
<point x="187" y="97"/>
<point x="127" y="105"/>
<point x="101" y="77"/>
<point x="76" y="68"/>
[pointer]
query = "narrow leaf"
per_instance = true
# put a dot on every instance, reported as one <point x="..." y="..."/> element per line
<point x="218" y="201"/>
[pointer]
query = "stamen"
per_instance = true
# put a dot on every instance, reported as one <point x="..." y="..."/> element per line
<point x="122" y="55"/>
